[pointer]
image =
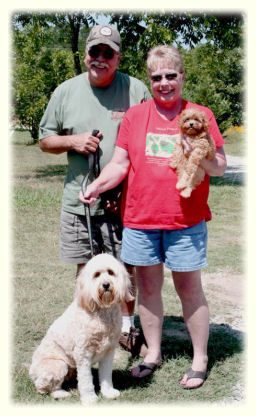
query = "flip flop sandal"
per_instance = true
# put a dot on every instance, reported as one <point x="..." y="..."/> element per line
<point x="195" y="374"/>
<point x="144" y="369"/>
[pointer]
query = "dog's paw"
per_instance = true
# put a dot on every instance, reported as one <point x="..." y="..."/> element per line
<point x="60" y="394"/>
<point x="173" y="164"/>
<point x="185" y="193"/>
<point x="89" y="399"/>
<point x="180" y="184"/>
<point x="110" y="393"/>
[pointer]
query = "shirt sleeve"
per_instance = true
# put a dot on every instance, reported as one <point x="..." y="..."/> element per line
<point x="124" y="132"/>
<point x="215" y="131"/>
<point x="51" y="121"/>
<point x="147" y="95"/>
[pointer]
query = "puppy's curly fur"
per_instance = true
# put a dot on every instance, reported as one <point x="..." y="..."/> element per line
<point x="193" y="125"/>
<point x="86" y="333"/>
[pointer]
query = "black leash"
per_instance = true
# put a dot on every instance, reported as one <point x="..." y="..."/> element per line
<point x="93" y="165"/>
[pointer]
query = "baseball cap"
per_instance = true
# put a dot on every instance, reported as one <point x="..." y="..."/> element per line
<point x="104" y="34"/>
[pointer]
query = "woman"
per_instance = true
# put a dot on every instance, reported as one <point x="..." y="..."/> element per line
<point x="159" y="225"/>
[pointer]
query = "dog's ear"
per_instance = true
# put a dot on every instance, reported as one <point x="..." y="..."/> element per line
<point x="205" y="121"/>
<point x="126" y="294"/>
<point x="181" y="119"/>
<point x="84" y="298"/>
<point x="129" y="297"/>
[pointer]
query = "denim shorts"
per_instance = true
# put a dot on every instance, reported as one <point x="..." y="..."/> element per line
<point x="181" y="250"/>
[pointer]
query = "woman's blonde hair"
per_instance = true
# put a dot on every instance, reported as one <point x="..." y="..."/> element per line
<point x="164" y="55"/>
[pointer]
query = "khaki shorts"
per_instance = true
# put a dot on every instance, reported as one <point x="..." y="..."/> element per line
<point x="74" y="238"/>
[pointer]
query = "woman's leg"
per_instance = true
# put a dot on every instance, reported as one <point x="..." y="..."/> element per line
<point x="149" y="280"/>
<point x="196" y="316"/>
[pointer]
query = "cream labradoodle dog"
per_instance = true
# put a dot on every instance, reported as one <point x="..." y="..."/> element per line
<point x="193" y="126"/>
<point x="85" y="334"/>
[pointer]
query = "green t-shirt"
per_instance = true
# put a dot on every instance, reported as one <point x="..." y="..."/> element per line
<point x="77" y="107"/>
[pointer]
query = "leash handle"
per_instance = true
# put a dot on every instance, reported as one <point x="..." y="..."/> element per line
<point x="91" y="161"/>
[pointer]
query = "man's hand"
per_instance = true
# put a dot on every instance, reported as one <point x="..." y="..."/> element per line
<point x="85" y="143"/>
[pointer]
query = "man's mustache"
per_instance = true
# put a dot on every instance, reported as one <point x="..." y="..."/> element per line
<point x="100" y="64"/>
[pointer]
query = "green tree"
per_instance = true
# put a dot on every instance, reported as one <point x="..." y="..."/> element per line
<point x="214" y="77"/>
<point x="187" y="28"/>
<point x="65" y="29"/>
<point x="212" y="45"/>
<point x="36" y="73"/>
<point x="45" y="44"/>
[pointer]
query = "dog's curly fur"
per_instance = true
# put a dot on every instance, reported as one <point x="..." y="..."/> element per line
<point x="193" y="125"/>
<point x="86" y="333"/>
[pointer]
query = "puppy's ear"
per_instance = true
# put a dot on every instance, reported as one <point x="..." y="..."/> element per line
<point x="84" y="298"/>
<point x="181" y="119"/>
<point x="206" y="123"/>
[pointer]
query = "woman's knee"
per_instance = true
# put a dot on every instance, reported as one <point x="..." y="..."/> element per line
<point x="149" y="280"/>
<point x="188" y="284"/>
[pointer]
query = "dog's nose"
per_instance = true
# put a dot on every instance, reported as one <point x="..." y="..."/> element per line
<point x="191" y="124"/>
<point x="106" y="286"/>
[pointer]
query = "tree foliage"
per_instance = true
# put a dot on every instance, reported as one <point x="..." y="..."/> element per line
<point x="214" y="78"/>
<point x="37" y="72"/>
<point x="49" y="48"/>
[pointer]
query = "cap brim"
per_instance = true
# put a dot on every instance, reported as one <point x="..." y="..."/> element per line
<point x="104" y="41"/>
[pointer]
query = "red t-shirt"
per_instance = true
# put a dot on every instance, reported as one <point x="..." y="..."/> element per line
<point x="151" y="200"/>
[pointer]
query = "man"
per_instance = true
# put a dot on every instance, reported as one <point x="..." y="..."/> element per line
<point x="96" y="99"/>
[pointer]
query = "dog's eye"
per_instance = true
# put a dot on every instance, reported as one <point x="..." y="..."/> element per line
<point x="110" y="272"/>
<point x="97" y="274"/>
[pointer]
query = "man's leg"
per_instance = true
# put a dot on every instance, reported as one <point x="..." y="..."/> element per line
<point x="108" y="232"/>
<point x="131" y="338"/>
<point x="129" y="307"/>
<point x="196" y="316"/>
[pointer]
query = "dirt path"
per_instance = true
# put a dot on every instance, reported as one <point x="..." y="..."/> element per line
<point x="236" y="169"/>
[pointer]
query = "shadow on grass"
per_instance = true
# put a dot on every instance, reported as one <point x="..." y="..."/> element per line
<point x="224" y="342"/>
<point x="51" y="170"/>
<point x="229" y="179"/>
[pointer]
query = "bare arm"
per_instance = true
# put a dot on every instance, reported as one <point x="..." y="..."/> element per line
<point x="83" y="143"/>
<point x="112" y="174"/>
<point x="216" y="166"/>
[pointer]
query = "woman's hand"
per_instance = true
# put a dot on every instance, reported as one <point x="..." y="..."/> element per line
<point x="216" y="166"/>
<point x="186" y="146"/>
<point x="90" y="195"/>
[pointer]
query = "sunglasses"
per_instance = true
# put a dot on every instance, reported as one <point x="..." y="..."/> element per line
<point x="95" y="52"/>
<point x="158" y="78"/>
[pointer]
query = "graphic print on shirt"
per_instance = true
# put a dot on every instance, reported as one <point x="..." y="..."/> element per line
<point x="159" y="147"/>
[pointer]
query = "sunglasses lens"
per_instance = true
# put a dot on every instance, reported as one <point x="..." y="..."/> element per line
<point x="169" y="77"/>
<point x="108" y="54"/>
<point x="156" y="78"/>
<point x="94" y="51"/>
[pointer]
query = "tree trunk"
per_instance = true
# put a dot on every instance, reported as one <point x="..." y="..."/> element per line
<point x="34" y="133"/>
<point x="75" y="22"/>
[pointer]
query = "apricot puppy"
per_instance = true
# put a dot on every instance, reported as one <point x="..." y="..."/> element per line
<point x="193" y="126"/>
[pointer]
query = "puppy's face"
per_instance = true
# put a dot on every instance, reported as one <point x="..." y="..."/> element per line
<point x="193" y="122"/>
<point x="103" y="282"/>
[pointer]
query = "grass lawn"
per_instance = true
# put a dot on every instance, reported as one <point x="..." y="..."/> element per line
<point x="43" y="287"/>
<point x="236" y="145"/>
